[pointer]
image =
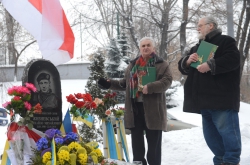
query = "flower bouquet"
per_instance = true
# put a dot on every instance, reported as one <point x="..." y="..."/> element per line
<point x="21" y="135"/>
<point x="69" y="150"/>
<point x="107" y="108"/>
<point x="19" y="104"/>
<point x="116" y="112"/>
<point x="84" y="104"/>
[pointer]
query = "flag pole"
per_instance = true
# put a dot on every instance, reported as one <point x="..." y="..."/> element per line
<point x="119" y="137"/>
<point x="104" y="132"/>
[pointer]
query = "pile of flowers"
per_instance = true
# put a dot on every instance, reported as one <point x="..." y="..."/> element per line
<point x="20" y="105"/>
<point x="117" y="112"/>
<point x="83" y="104"/>
<point x="69" y="150"/>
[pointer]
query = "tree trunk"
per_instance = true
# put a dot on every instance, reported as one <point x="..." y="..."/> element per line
<point x="240" y="23"/>
<point x="10" y="37"/>
<point x="183" y="27"/>
<point x="164" y="36"/>
<point x="245" y="39"/>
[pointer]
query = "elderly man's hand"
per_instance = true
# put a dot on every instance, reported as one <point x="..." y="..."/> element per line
<point x="192" y="58"/>
<point x="145" y="89"/>
<point x="203" y="68"/>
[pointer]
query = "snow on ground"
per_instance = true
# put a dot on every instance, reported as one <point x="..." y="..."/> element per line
<point x="184" y="147"/>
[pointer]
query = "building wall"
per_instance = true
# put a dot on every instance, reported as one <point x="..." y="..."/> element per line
<point x="76" y="70"/>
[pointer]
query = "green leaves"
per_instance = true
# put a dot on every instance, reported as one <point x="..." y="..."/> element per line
<point x="30" y="125"/>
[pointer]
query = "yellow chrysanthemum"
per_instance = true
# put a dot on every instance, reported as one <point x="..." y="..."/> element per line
<point x="74" y="146"/>
<point x="82" y="158"/>
<point x="98" y="152"/>
<point x="95" y="159"/>
<point x="46" y="157"/>
<point x="63" y="156"/>
<point x="81" y="150"/>
<point x="88" y="148"/>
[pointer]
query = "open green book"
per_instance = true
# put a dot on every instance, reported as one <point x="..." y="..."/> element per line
<point x="205" y="52"/>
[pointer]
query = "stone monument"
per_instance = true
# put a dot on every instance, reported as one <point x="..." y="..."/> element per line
<point x="45" y="76"/>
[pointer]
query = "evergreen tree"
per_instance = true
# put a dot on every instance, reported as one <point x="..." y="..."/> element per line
<point x="114" y="58"/>
<point x="124" y="47"/>
<point x="96" y="72"/>
<point x="115" y="66"/>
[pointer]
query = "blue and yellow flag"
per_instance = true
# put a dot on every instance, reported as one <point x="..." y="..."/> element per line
<point x="123" y="139"/>
<point x="53" y="149"/>
<point x="88" y="121"/>
<point x="114" y="152"/>
<point x="66" y="126"/>
<point x="5" y="158"/>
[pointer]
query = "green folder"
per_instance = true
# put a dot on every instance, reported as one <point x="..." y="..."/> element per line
<point x="150" y="75"/>
<point x="205" y="52"/>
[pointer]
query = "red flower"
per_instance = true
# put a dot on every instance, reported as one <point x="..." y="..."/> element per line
<point x="73" y="101"/>
<point x="16" y="98"/>
<point x="90" y="104"/>
<point x="38" y="109"/>
<point x="27" y="105"/>
<point x="93" y="105"/>
<point x="79" y="96"/>
<point x="110" y="95"/>
<point x="79" y="104"/>
<point x="114" y="94"/>
<point x="23" y="90"/>
<point x="87" y="97"/>
<point x="30" y="87"/>
<point x="70" y="98"/>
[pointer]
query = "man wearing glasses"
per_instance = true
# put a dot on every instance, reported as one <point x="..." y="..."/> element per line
<point x="213" y="90"/>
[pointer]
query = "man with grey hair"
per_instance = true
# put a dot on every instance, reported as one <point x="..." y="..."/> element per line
<point x="145" y="105"/>
<point x="213" y="90"/>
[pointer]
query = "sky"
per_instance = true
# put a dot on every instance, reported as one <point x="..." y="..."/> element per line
<point x="182" y="147"/>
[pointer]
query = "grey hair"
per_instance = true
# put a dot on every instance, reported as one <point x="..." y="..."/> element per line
<point x="147" y="38"/>
<point x="210" y="19"/>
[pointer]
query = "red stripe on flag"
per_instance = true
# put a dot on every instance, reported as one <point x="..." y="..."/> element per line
<point x="15" y="127"/>
<point x="69" y="38"/>
<point x="37" y="4"/>
<point x="74" y="129"/>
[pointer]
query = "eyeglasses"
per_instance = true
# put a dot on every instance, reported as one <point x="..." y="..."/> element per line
<point x="199" y="26"/>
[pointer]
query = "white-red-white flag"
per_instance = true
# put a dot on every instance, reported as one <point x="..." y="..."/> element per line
<point x="47" y="22"/>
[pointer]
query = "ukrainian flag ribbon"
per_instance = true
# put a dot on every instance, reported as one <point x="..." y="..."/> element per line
<point x="5" y="158"/>
<point x="114" y="152"/>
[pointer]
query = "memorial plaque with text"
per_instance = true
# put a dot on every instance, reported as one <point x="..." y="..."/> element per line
<point x="45" y="76"/>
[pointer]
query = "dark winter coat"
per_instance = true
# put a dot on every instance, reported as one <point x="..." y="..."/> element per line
<point x="154" y="102"/>
<point x="218" y="89"/>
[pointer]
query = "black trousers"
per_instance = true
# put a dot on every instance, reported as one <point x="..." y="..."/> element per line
<point x="154" y="138"/>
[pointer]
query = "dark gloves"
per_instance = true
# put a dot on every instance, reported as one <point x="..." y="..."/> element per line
<point x="103" y="83"/>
